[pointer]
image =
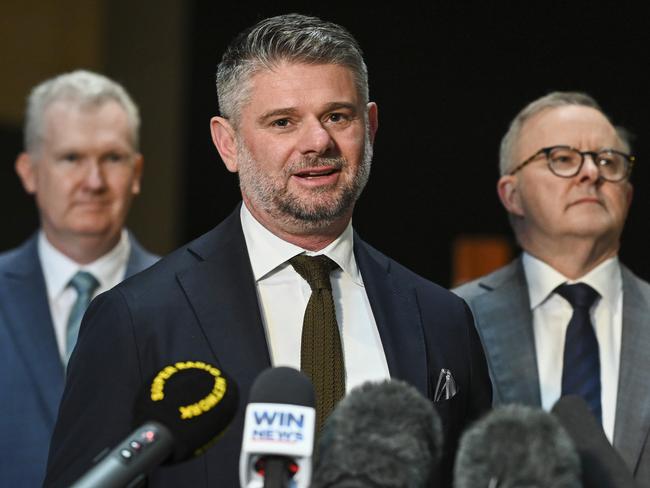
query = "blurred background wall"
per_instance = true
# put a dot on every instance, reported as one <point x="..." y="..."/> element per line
<point x="447" y="76"/>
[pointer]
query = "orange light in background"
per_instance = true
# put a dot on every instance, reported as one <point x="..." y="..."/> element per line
<point x="475" y="256"/>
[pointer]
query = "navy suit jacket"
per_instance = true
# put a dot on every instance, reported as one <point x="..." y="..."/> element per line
<point x="200" y="303"/>
<point x="31" y="372"/>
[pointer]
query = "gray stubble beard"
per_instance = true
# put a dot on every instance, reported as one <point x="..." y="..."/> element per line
<point x="289" y="210"/>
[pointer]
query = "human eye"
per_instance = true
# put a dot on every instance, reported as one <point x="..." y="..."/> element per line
<point x="338" y="118"/>
<point x="282" y="123"/>
<point x="70" y="157"/>
<point x="115" y="157"/>
<point x="607" y="158"/>
<point x="564" y="156"/>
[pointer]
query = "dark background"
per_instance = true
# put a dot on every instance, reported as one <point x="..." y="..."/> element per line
<point x="448" y="77"/>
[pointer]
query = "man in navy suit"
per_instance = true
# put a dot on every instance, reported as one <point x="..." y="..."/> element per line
<point x="297" y="126"/>
<point x="82" y="165"/>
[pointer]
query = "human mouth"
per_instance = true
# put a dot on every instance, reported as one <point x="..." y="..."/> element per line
<point x="585" y="200"/>
<point x="314" y="173"/>
<point x="91" y="204"/>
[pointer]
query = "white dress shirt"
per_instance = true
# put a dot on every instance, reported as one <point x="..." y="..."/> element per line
<point x="283" y="295"/>
<point x="551" y="316"/>
<point x="58" y="270"/>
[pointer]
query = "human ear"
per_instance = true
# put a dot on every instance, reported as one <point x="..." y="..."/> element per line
<point x="509" y="194"/>
<point x="224" y="139"/>
<point x="138" y="165"/>
<point x="373" y="120"/>
<point x="25" y="168"/>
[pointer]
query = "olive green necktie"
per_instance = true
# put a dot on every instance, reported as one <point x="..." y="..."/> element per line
<point x="321" y="354"/>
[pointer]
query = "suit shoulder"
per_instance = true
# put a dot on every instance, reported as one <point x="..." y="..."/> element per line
<point x="160" y="273"/>
<point x="407" y="278"/>
<point x="629" y="277"/>
<point x="487" y="283"/>
<point x="25" y="252"/>
<point x="6" y="257"/>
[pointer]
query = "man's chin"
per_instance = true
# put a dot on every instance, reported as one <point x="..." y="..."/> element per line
<point x="94" y="230"/>
<point x="321" y="213"/>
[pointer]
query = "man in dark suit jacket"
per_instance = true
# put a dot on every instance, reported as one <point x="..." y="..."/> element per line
<point x="82" y="165"/>
<point x="297" y="127"/>
<point x="565" y="183"/>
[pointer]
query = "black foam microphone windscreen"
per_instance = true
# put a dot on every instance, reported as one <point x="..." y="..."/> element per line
<point x="602" y="466"/>
<point x="516" y="446"/>
<point x="180" y="412"/>
<point x="381" y="435"/>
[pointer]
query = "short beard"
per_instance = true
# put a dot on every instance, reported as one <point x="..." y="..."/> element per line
<point x="290" y="210"/>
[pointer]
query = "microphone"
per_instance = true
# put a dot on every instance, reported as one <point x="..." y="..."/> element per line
<point x="516" y="445"/>
<point x="380" y="435"/>
<point x="279" y="428"/>
<point x="602" y="466"/>
<point x="180" y="412"/>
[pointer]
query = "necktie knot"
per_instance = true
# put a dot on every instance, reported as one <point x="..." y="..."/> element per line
<point x="579" y="295"/>
<point x="84" y="283"/>
<point x="315" y="270"/>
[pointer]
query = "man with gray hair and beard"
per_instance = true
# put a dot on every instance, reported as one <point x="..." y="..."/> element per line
<point x="567" y="317"/>
<point x="284" y="280"/>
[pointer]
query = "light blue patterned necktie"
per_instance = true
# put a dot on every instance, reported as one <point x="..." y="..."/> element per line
<point x="85" y="285"/>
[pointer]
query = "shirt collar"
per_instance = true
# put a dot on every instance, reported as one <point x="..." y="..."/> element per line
<point x="58" y="269"/>
<point x="268" y="252"/>
<point x="542" y="279"/>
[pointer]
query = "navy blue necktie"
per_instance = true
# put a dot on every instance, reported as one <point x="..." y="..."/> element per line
<point x="581" y="371"/>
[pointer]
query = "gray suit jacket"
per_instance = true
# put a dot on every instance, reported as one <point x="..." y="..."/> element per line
<point x="503" y="318"/>
<point x="31" y="373"/>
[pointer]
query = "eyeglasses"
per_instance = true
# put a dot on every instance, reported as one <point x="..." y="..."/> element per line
<point x="566" y="162"/>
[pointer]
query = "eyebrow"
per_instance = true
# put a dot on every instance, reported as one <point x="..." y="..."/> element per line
<point x="289" y="111"/>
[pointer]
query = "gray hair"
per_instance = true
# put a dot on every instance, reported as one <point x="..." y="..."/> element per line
<point x="292" y="38"/>
<point x="552" y="100"/>
<point x="517" y="445"/>
<point x="82" y="88"/>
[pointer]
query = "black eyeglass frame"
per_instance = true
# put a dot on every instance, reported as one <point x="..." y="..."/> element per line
<point x="546" y="151"/>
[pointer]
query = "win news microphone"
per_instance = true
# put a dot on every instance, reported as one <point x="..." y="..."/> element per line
<point x="180" y="413"/>
<point x="278" y="431"/>
<point x="516" y="445"/>
<point x="380" y="435"/>
<point x="602" y="466"/>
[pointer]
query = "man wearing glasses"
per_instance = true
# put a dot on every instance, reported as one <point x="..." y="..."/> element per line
<point x="567" y="317"/>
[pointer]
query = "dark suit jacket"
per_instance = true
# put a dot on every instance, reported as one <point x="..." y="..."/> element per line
<point x="501" y="308"/>
<point x="31" y="372"/>
<point x="200" y="303"/>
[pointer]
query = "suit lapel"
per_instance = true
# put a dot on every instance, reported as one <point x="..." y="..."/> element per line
<point x="633" y="400"/>
<point x="505" y="324"/>
<point x="221" y="290"/>
<point x="397" y="316"/>
<point x="30" y="325"/>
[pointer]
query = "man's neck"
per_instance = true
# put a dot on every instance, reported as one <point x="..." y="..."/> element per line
<point x="311" y="238"/>
<point x="573" y="258"/>
<point x="83" y="249"/>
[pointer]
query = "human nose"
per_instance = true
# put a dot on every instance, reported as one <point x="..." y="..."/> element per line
<point x="315" y="138"/>
<point x="94" y="178"/>
<point x="589" y="170"/>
